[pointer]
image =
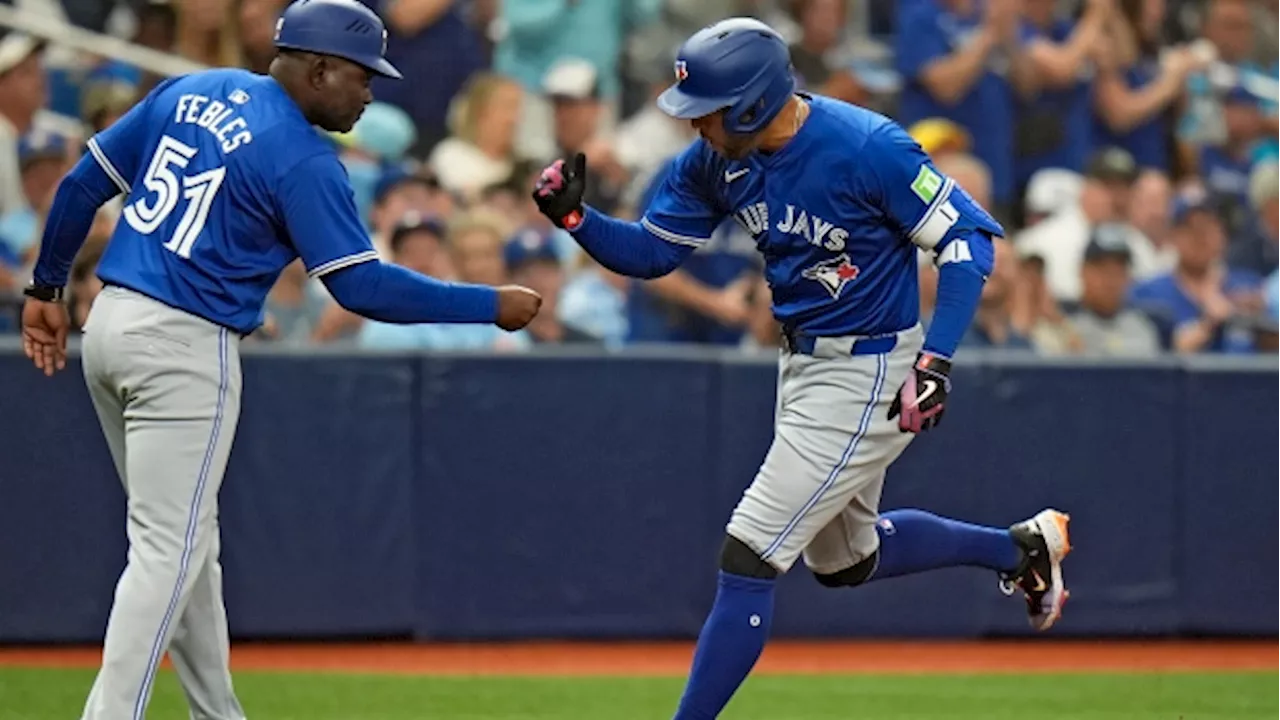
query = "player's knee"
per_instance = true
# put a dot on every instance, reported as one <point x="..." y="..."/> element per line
<point x="850" y="576"/>
<point x="738" y="559"/>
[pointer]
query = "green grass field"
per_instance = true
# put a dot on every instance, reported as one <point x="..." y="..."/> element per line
<point x="40" y="694"/>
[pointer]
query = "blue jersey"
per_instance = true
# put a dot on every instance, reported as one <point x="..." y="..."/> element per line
<point x="837" y="214"/>
<point x="226" y="183"/>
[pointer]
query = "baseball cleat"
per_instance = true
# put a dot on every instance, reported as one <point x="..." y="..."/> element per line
<point x="1044" y="542"/>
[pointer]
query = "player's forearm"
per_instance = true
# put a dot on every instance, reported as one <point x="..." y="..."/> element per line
<point x="75" y="205"/>
<point x="627" y="248"/>
<point x="962" y="273"/>
<point x="393" y="294"/>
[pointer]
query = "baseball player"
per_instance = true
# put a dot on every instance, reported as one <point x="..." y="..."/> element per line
<point x="226" y="181"/>
<point x="837" y="199"/>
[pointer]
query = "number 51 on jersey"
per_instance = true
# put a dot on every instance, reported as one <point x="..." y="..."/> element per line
<point x="147" y="214"/>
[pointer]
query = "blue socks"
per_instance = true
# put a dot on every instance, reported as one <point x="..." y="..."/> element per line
<point x="913" y="541"/>
<point x="737" y="627"/>
<point x="731" y="641"/>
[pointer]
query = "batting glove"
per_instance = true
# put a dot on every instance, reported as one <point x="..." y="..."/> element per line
<point x="922" y="398"/>
<point x="559" y="190"/>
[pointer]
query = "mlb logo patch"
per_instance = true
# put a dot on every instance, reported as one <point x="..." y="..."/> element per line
<point x="279" y="26"/>
<point x="886" y="525"/>
<point x="682" y="71"/>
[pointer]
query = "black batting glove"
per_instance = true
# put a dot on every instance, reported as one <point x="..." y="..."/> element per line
<point x="922" y="399"/>
<point x="559" y="190"/>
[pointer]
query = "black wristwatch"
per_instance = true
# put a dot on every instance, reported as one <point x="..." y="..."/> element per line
<point x="45" y="293"/>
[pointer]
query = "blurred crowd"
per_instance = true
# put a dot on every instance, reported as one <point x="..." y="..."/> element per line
<point x="1129" y="147"/>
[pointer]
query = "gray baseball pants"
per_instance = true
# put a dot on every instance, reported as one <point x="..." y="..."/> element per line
<point x="166" y="387"/>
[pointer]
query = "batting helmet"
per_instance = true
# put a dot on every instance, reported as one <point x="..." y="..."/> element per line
<point x="342" y="28"/>
<point x="740" y="64"/>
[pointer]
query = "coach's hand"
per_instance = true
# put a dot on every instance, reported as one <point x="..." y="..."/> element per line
<point x="44" y="334"/>
<point x="516" y="306"/>
<point x="559" y="190"/>
<point x="922" y="398"/>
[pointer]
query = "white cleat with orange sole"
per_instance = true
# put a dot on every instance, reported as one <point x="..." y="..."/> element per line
<point x="1044" y="542"/>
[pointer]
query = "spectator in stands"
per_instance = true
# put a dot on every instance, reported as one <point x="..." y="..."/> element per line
<point x="706" y="299"/>
<point x="993" y="322"/>
<point x="573" y="87"/>
<point x="257" y="25"/>
<point x="1233" y="77"/>
<point x="1225" y="166"/>
<point x="1201" y="303"/>
<point x="294" y="306"/>
<point x="1137" y="88"/>
<point x="1103" y="323"/>
<point x="594" y="301"/>
<point x="961" y="60"/>
<point x="1264" y="189"/>
<point x="435" y="36"/>
<point x="22" y="93"/>
<point x="107" y="93"/>
<point x="1260" y="249"/>
<point x="1266" y="33"/>
<point x="374" y="149"/>
<point x="398" y="193"/>
<point x="42" y="161"/>
<point x="1060" y="240"/>
<point x="939" y="136"/>
<point x="1149" y="207"/>
<point x="1053" y="126"/>
<point x="534" y="263"/>
<point x="480" y="150"/>
<point x="645" y="141"/>
<point x="419" y="244"/>
<point x="814" y="55"/>
<point x="1050" y="191"/>
<point x="538" y="34"/>
<point x="476" y="240"/>
<point x="207" y="32"/>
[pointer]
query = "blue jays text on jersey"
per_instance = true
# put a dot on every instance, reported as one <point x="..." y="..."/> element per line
<point x="225" y="184"/>
<point x="837" y="213"/>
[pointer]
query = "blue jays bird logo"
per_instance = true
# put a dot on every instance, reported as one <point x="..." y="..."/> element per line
<point x="833" y="274"/>
<point x="682" y="70"/>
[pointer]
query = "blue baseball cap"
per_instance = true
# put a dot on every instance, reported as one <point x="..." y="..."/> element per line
<point x="40" y="145"/>
<point x="413" y="222"/>
<point x="530" y="245"/>
<point x="1193" y="199"/>
<point x="393" y="176"/>
<point x="1108" y="240"/>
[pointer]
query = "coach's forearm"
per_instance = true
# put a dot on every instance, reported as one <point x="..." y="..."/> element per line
<point x="627" y="248"/>
<point x="393" y="294"/>
<point x="75" y="205"/>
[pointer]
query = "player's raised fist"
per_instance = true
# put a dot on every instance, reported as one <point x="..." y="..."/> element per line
<point x="559" y="190"/>
<point x="516" y="306"/>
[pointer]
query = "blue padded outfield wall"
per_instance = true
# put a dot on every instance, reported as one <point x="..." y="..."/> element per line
<point x="575" y="496"/>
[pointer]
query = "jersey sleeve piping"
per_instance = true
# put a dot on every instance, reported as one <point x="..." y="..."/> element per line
<point x="672" y="237"/>
<point x="344" y="261"/>
<point x="937" y="220"/>
<point x="105" y="163"/>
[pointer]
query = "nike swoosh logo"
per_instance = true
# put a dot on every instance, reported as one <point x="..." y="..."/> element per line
<point x="930" y="386"/>
<point x="1040" y="584"/>
<point x="731" y="176"/>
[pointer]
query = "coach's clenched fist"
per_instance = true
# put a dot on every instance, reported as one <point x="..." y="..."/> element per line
<point x="516" y="306"/>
